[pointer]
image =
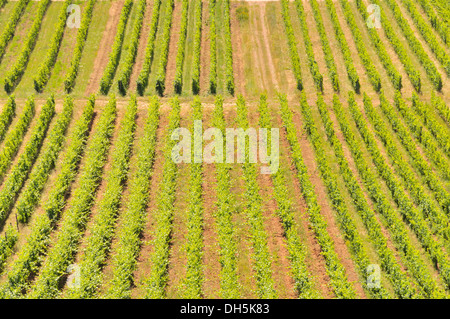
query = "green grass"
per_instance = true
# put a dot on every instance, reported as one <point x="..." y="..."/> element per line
<point x="249" y="46"/>
<point x="189" y="51"/>
<point x="26" y="87"/>
<point x="56" y="82"/>
<point x="16" y="44"/>
<point x="98" y="25"/>
<point x="5" y="12"/>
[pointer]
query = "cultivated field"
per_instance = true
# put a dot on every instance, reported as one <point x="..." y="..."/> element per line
<point x="93" y="204"/>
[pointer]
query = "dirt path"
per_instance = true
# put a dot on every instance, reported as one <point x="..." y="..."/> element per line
<point x="105" y="47"/>
<point x="205" y="56"/>
<point x="238" y="54"/>
<point x="267" y="45"/>
<point x="211" y="256"/>
<point x="211" y="248"/>
<point x="173" y="48"/>
<point x="255" y="48"/>
<point x="142" y="46"/>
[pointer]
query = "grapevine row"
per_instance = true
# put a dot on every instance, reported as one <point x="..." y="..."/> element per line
<point x="15" y="136"/>
<point x="366" y="59"/>
<point x="229" y="76"/>
<point x="74" y="222"/>
<point x="428" y="34"/>
<point x="142" y="80"/>
<point x="313" y="66"/>
<point x="295" y="59"/>
<point x="398" y="230"/>
<point x="397" y="44"/>
<point x="440" y="106"/>
<point x="417" y="191"/>
<point x="196" y="63"/>
<point x="8" y="31"/>
<point x="329" y="59"/>
<point x="443" y="9"/>
<point x="19" y="172"/>
<point x="351" y="71"/>
<point x="7" y="244"/>
<point x="347" y="224"/>
<point x="385" y="59"/>
<point x="14" y="74"/>
<point x="229" y="285"/>
<point x="161" y="68"/>
<point x="7" y="115"/>
<point x="124" y="77"/>
<point x="398" y="278"/>
<point x="442" y="196"/>
<point x="157" y="281"/>
<point x="124" y="260"/>
<point x="29" y="258"/>
<point x="339" y="281"/>
<point x="194" y="247"/>
<point x="297" y="251"/>
<point x="439" y="131"/>
<point x="408" y="210"/>
<point x="31" y="193"/>
<point x="179" y="62"/>
<point x="213" y="47"/>
<point x="424" y="136"/>
<point x="253" y="211"/>
<point x="440" y="26"/>
<point x="114" y="56"/>
<point x="99" y="242"/>
<point x="45" y="69"/>
<point x="416" y="46"/>
<point x="82" y="34"/>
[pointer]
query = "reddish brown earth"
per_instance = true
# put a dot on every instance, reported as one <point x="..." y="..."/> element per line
<point x="105" y="47"/>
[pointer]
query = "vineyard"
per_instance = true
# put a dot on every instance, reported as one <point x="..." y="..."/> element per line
<point x="346" y="193"/>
